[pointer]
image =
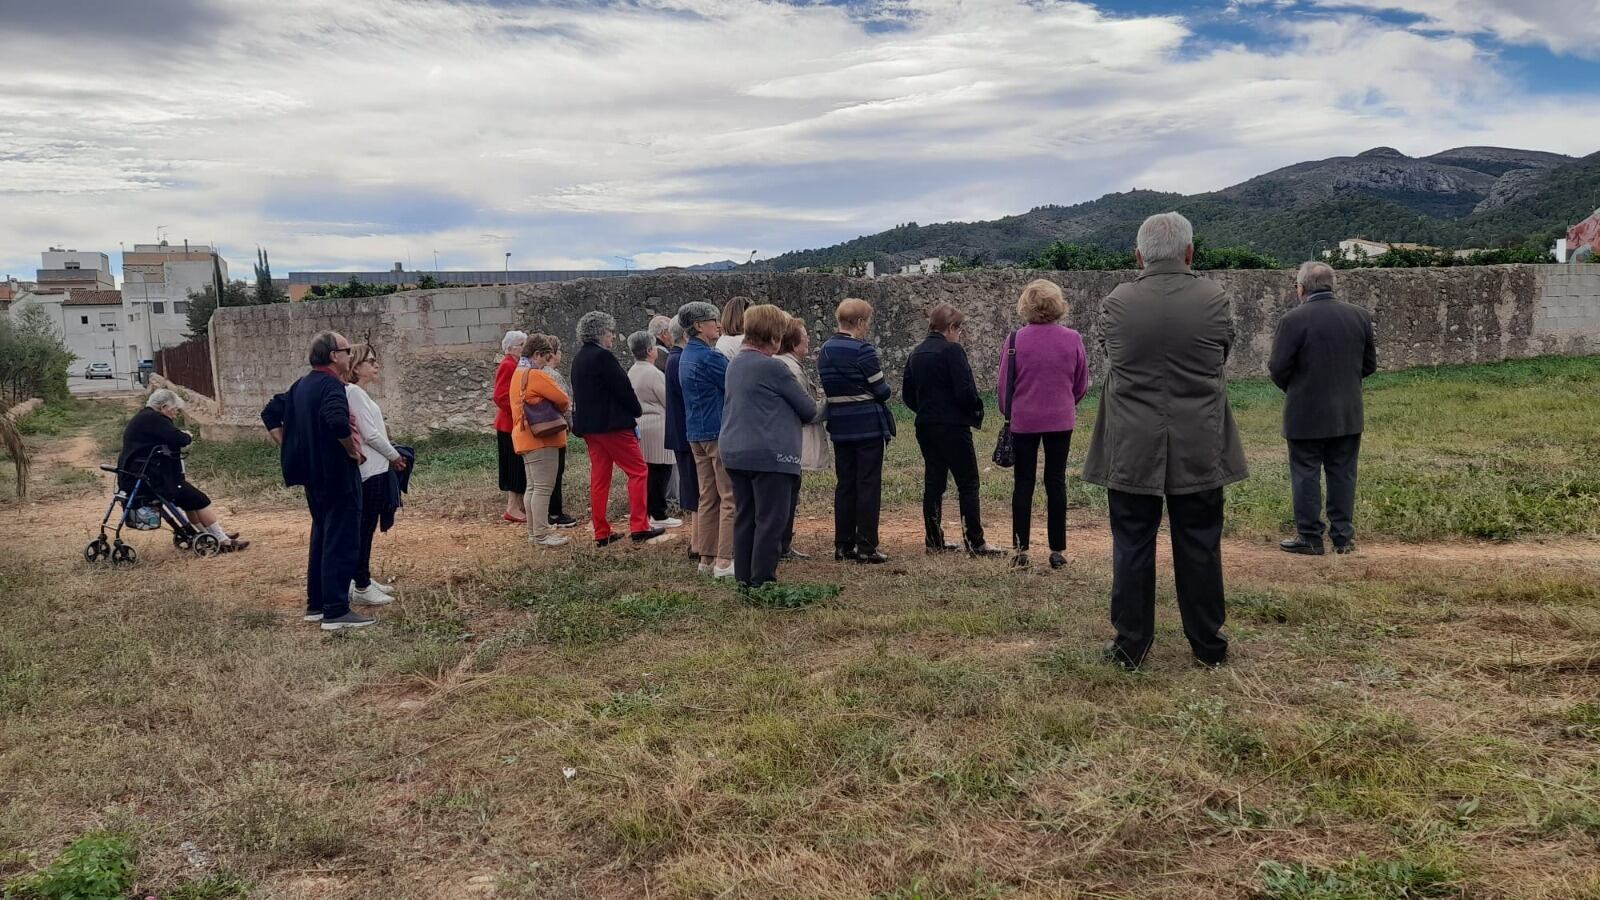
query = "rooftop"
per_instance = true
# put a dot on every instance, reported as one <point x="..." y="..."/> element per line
<point x="93" y="298"/>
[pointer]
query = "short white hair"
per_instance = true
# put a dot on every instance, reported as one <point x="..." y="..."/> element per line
<point x="512" y="342"/>
<point x="163" y="398"/>
<point x="1315" y="276"/>
<point x="1165" y="236"/>
<point x="659" y="324"/>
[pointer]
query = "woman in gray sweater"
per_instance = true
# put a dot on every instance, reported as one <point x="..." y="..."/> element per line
<point x="762" y="416"/>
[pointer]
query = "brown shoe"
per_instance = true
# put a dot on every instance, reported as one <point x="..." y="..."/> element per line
<point x="235" y="545"/>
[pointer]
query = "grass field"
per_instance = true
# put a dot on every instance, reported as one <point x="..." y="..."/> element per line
<point x="1419" y="720"/>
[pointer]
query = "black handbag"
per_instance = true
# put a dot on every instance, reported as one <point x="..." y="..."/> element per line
<point x="1005" y="451"/>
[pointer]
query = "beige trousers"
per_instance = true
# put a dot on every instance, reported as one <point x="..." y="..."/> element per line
<point x="540" y="466"/>
<point x="713" y="524"/>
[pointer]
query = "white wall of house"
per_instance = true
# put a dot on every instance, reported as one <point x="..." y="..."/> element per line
<point x="162" y="298"/>
<point x="101" y="333"/>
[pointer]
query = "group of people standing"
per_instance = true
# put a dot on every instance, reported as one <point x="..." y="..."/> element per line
<point x="717" y="410"/>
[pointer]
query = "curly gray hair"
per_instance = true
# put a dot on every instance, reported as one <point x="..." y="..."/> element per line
<point x="594" y="325"/>
<point x="696" y="311"/>
<point x="640" y="343"/>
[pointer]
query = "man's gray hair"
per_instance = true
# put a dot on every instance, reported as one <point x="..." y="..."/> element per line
<point x="1315" y="276"/>
<point x="513" y="341"/>
<point x="679" y="336"/>
<point x="322" y="347"/>
<point x="594" y="325"/>
<point x="696" y="311"/>
<point x="659" y="324"/>
<point x="163" y="397"/>
<point x="1165" y="236"/>
<point x="640" y="343"/>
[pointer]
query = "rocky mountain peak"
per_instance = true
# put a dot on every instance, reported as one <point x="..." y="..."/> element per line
<point x="1382" y="153"/>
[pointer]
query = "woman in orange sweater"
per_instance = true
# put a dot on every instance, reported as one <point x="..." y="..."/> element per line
<point x="540" y="449"/>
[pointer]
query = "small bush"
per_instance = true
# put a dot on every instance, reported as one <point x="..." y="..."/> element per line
<point x="1358" y="879"/>
<point x="789" y="595"/>
<point x="97" y="866"/>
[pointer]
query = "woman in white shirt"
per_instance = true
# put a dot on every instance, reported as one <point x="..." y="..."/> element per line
<point x="732" y="326"/>
<point x="650" y="386"/>
<point x="381" y="456"/>
<point x="816" y="451"/>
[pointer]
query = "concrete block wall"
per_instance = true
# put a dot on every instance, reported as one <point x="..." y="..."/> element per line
<point x="440" y="347"/>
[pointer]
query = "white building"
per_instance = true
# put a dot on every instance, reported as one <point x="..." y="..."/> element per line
<point x="65" y="269"/>
<point x="94" y="324"/>
<point x="930" y="266"/>
<point x="156" y="282"/>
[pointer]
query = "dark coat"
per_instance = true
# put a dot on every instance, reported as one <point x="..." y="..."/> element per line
<point x="677" y="428"/>
<point x="939" y="386"/>
<point x="147" y="430"/>
<point x="315" y="417"/>
<point x="602" y="395"/>
<point x="1323" y="349"/>
<point x="1165" y="426"/>
<point x="857" y="391"/>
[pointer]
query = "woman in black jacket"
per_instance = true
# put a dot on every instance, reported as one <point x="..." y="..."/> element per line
<point x="151" y="435"/>
<point x="605" y="414"/>
<point x="940" y="389"/>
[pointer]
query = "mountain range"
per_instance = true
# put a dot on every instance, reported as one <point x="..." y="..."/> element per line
<point x="1465" y="197"/>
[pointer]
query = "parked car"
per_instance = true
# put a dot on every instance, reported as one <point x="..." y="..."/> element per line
<point x="99" y="370"/>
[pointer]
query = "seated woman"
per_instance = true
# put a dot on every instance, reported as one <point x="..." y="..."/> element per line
<point x="150" y="428"/>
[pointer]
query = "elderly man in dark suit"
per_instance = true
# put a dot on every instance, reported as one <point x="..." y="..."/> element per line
<point x="1323" y="349"/>
<point x="1165" y="434"/>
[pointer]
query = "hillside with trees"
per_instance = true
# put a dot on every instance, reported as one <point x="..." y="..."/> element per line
<point x="1478" y="197"/>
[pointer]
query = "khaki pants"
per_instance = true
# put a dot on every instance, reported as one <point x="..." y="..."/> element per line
<point x="540" y="466"/>
<point x="713" y="524"/>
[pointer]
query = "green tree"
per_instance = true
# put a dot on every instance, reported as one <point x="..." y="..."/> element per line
<point x="1065" y="257"/>
<point x="352" y="289"/>
<point x="203" y="303"/>
<point x="1208" y="257"/>
<point x="266" y="291"/>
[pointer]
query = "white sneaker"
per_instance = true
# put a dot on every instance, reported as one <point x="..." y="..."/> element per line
<point x="704" y="568"/>
<point x="370" y="597"/>
<point x="376" y="585"/>
<point x="720" y="572"/>
<point x="553" y="540"/>
<point x="668" y="522"/>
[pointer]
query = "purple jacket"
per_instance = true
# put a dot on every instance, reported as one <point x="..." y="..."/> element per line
<point x="1052" y="376"/>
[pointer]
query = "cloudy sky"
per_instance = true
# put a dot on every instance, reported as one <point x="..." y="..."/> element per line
<point x="349" y="134"/>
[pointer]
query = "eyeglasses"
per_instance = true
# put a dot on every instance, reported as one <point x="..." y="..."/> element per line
<point x="340" y="350"/>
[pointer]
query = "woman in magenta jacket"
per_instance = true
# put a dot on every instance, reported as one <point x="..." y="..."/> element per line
<point x="1052" y="374"/>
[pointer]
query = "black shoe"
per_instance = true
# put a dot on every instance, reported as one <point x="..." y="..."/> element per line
<point x="563" y="521"/>
<point x="1114" y="655"/>
<point x="1020" y="559"/>
<point x="1347" y="547"/>
<point x="1210" y="663"/>
<point x="645" y="537"/>
<point x="841" y="554"/>
<point x="608" y="540"/>
<point x="874" y="558"/>
<point x="985" y="550"/>
<point x="348" y="620"/>
<point x="1300" y="545"/>
<point x="1057" y="560"/>
<point x="942" y="548"/>
<point x="793" y="555"/>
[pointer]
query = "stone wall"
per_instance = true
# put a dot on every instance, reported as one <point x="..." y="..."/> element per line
<point x="439" y="347"/>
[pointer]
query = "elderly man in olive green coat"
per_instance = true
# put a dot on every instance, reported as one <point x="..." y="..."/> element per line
<point x="1165" y="432"/>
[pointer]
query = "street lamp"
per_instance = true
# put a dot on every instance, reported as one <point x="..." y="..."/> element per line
<point x="508" y="266"/>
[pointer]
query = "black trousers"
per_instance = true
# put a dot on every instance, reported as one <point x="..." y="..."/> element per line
<point x="561" y="475"/>
<point x="947" y="452"/>
<point x="1308" y="460"/>
<point x="1025" y="475"/>
<point x="794" y="510"/>
<point x="688" y="481"/>
<point x="656" y="489"/>
<point x="859" y="496"/>
<point x="374" y="494"/>
<point x="335" y="552"/>
<point x="761" y="505"/>
<point x="1196" y="566"/>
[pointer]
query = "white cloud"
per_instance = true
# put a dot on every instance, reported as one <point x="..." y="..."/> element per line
<point x="1565" y="27"/>
<point x="356" y="133"/>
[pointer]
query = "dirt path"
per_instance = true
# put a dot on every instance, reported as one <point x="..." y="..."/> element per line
<point x="430" y="548"/>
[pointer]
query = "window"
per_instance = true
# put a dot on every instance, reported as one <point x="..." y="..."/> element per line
<point x="108" y="321"/>
<point x="84" y="319"/>
<point x="181" y="307"/>
<point x="73" y="265"/>
<point x="158" y="307"/>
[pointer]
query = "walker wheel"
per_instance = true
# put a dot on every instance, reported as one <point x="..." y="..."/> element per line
<point x="207" y="545"/>
<point x="124" y="555"/>
<point x="97" y="551"/>
<point x="182" y="541"/>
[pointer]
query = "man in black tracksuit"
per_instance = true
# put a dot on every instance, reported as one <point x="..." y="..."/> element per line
<point x="1323" y="349"/>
